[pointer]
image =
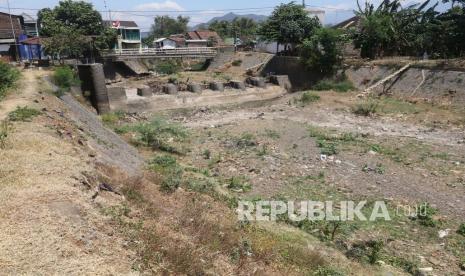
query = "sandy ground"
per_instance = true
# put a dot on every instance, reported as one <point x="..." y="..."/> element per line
<point x="49" y="223"/>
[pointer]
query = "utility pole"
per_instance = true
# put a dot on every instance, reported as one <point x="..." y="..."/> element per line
<point x="13" y="31"/>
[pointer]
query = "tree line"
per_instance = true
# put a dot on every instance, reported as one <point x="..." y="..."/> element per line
<point x="75" y="29"/>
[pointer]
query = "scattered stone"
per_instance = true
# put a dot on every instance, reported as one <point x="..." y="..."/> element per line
<point x="238" y="85"/>
<point x="434" y="261"/>
<point x="443" y="233"/>
<point x="170" y="89"/>
<point x="194" y="87"/>
<point x="216" y="86"/>
<point x="425" y="270"/>
<point x="323" y="157"/>
<point x="256" y="81"/>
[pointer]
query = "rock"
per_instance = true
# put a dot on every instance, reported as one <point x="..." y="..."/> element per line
<point x="238" y="85"/>
<point x="283" y="81"/>
<point x="256" y="81"/>
<point x="216" y="86"/>
<point x="170" y="89"/>
<point x="371" y="152"/>
<point x="434" y="261"/>
<point x="443" y="233"/>
<point x="323" y="157"/>
<point x="194" y="87"/>
<point x="425" y="270"/>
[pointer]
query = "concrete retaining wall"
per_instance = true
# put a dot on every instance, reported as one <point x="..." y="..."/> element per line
<point x="301" y="78"/>
<point x="155" y="103"/>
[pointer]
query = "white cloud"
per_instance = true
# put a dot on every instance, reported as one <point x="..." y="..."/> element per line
<point x="158" y="6"/>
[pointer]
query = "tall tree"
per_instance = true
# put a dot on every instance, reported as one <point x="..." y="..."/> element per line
<point x="164" y="26"/>
<point x="289" y="24"/>
<point x="72" y="27"/>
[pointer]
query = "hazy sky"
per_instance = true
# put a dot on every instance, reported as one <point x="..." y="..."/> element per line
<point x="143" y="11"/>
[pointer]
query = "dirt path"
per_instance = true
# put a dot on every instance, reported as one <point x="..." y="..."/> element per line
<point x="23" y="95"/>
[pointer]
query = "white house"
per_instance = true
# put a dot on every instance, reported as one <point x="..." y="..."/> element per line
<point x="164" y="43"/>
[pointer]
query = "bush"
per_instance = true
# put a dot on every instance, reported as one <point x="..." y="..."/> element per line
<point x="169" y="169"/>
<point x="339" y="86"/>
<point x="168" y="67"/>
<point x="309" y="97"/>
<point x="65" y="77"/>
<point x="112" y="118"/>
<point x="239" y="184"/>
<point x="461" y="230"/>
<point x="322" y="51"/>
<point x="158" y="132"/>
<point x="8" y="77"/>
<point x="327" y="271"/>
<point x="367" y="108"/>
<point x="426" y="214"/>
<point x="237" y="62"/>
<point x="23" y="114"/>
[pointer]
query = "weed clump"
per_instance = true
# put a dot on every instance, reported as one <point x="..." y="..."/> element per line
<point x="367" y="108"/>
<point x="425" y="215"/>
<point x="23" y="114"/>
<point x="246" y="140"/>
<point x="238" y="184"/>
<point x="461" y="230"/>
<point x="170" y="171"/>
<point x="236" y="62"/>
<point x="8" y="77"/>
<point x="112" y="118"/>
<point x="64" y="77"/>
<point x="308" y="97"/>
<point x="158" y="133"/>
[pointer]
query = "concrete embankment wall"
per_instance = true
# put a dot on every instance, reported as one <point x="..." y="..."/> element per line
<point x="301" y="78"/>
<point x="437" y="85"/>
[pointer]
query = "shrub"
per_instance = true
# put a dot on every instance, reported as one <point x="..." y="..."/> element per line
<point x="426" y="214"/>
<point x="341" y="86"/>
<point x="158" y="132"/>
<point x="461" y="230"/>
<point x="246" y="140"/>
<point x="8" y="77"/>
<point x="237" y="62"/>
<point x="322" y="51"/>
<point x="239" y="184"/>
<point x="112" y="118"/>
<point x="367" y="108"/>
<point x="327" y="271"/>
<point x="309" y="97"/>
<point x="170" y="171"/>
<point x="65" y="77"/>
<point x="168" y="67"/>
<point x="23" y="114"/>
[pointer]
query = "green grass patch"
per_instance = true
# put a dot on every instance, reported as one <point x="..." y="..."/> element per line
<point x="8" y="78"/>
<point x="307" y="98"/>
<point x="366" y="108"/>
<point x="65" y="77"/>
<point x="23" y="114"/>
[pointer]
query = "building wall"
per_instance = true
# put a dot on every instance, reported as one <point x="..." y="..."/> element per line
<point x="5" y="26"/>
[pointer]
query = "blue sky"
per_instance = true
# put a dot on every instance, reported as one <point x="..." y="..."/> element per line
<point x="142" y="11"/>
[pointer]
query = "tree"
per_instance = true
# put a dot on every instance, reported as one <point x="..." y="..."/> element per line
<point x="72" y="27"/>
<point x="322" y="51"/>
<point x="288" y="24"/>
<point x="164" y="26"/>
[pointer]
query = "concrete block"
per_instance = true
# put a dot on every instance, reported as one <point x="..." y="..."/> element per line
<point x="93" y="80"/>
<point x="144" y="92"/>
<point x="194" y="87"/>
<point x="217" y="86"/>
<point x="117" y="93"/>
<point x="170" y="89"/>
<point x="282" y="80"/>
<point x="256" y="81"/>
<point x="238" y="85"/>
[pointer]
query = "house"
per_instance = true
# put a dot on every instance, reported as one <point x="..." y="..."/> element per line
<point x="9" y="35"/>
<point x="30" y="48"/>
<point x="30" y="25"/>
<point x="193" y="43"/>
<point x="129" y="36"/>
<point x="180" y="40"/>
<point x="203" y="38"/>
<point x="164" y="43"/>
<point x="317" y="13"/>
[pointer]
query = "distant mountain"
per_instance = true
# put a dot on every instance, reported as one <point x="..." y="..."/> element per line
<point x="231" y="16"/>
